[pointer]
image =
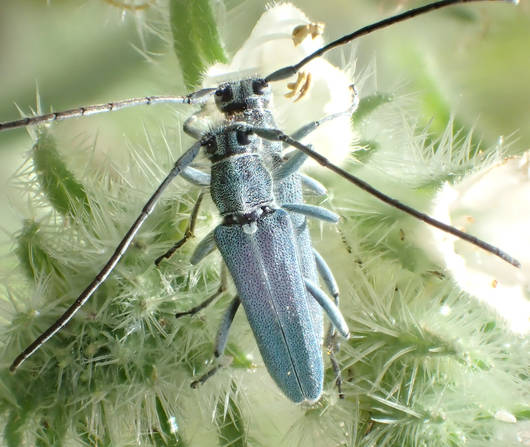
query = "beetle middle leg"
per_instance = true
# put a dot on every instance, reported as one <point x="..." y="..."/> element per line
<point x="221" y="338"/>
<point x="221" y="289"/>
<point x="224" y="329"/>
<point x="333" y="347"/>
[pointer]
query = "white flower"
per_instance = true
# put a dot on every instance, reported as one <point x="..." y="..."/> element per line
<point x="493" y="204"/>
<point x="271" y="46"/>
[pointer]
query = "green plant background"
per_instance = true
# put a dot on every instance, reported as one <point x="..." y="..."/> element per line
<point x="412" y="377"/>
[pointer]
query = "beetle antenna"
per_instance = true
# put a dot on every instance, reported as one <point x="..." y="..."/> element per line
<point x="277" y="135"/>
<point x="288" y="71"/>
<point x="179" y="166"/>
<point x="198" y="97"/>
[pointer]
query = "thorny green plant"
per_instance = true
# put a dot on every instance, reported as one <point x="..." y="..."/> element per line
<point x="426" y="365"/>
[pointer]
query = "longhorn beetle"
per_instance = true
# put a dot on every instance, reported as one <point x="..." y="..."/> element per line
<point x="247" y="221"/>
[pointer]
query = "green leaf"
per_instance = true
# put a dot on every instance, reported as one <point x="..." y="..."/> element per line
<point x="240" y="358"/>
<point x="230" y="421"/>
<point x="52" y="431"/>
<point x="33" y="254"/>
<point x="14" y="428"/>
<point x="59" y="184"/>
<point x="195" y="38"/>
<point x="369" y="104"/>
<point x="206" y="33"/>
<point x="435" y="105"/>
<point x="167" y="437"/>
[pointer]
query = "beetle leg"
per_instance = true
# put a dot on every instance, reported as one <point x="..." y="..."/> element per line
<point x="187" y="235"/>
<point x="222" y="288"/>
<point x="220" y="343"/>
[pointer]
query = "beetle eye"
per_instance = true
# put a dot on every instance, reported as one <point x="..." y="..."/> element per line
<point x="258" y="86"/>
<point x="243" y="137"/>
<point x="225" y="93"/>
<point x="210" y="145"/>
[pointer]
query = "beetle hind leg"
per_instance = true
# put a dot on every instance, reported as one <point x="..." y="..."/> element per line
<point x="332" y="348"/>
<point x="220" y="343"/>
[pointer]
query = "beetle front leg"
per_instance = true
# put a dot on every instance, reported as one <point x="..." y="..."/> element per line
<point x="188" y="234"/>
